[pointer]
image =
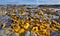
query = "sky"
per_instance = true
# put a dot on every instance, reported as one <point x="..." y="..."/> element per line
<point x="30" y="2"/>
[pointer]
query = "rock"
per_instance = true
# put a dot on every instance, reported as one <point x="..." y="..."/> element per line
<point x="27" y="33"/>
<point x="13" y="34"/>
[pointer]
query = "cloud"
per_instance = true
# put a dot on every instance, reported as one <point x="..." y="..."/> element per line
<point x="29" y="1"/>
<point x="48" y="1"/>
